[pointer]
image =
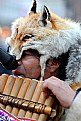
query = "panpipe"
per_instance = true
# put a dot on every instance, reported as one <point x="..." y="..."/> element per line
<point x="23" y="97"/>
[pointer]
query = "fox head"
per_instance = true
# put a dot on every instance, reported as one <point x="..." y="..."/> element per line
<point x="45" y="32"/>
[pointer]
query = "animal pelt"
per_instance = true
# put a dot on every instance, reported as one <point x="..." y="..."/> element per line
<point x="51" y="36"/>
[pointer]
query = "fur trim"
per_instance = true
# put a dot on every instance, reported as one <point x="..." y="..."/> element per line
<point x="74" y="113"/>
<point x="73" y="68"/>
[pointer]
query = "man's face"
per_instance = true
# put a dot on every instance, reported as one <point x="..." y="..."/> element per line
<point x="29" y="66"/>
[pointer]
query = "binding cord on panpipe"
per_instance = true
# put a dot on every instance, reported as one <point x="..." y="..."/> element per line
<point x="27" y="105"/>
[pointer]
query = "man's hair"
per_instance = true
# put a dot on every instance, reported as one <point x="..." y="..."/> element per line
<point x="34" y="52"/>
<point x="63" y="59"/>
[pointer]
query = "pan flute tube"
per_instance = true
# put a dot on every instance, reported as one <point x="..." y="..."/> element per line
<point x="49" y="101"/>
<point x="15" y="90"/>
<point x="3" y="80"/>
<point x="28" y="96"/>
<point x="35" y="97"/>
<point x="9" y="85"/>
<point x="23" y="89"/>
<point x="41" y="100"/>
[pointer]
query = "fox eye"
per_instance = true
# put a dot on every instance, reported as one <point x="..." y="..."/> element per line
<point x="27" y="37"/>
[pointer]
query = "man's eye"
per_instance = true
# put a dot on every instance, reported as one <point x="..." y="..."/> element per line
<point x="27" y="37"/>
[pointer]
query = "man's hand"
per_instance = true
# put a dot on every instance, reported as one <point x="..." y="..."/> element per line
<point x="60" y="89"/>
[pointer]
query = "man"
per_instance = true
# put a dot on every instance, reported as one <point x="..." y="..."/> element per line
<point x="46" y="45"/>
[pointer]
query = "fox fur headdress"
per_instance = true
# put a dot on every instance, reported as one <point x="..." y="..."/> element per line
<point x="51" y="36"/>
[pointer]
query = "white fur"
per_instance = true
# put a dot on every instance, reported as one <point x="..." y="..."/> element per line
<point x="74" y="113"/>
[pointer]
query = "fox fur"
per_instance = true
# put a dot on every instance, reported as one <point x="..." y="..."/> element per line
<point x="51" y="36"/>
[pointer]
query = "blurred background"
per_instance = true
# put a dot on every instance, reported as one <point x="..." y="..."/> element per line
<point x="12" y="9"/>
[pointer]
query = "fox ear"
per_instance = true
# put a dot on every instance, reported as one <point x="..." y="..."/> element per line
<point x="33" y="7"/>
<point x="45" y="16"/>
